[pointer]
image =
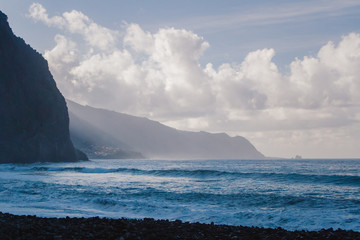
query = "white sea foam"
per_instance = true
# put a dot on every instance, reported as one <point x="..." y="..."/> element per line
<point x="293" y="194"/>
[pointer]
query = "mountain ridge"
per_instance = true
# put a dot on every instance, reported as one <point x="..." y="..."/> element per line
<point x="155" y="140"/>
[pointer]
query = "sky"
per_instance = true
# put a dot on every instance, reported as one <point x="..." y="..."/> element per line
<point x="283" y="74"/>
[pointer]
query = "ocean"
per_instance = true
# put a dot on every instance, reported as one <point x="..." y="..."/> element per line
<point x="292" y="194"/>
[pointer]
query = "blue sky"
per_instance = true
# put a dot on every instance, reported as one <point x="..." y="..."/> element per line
<point x="281" y="73"/>
<point x="292" y="28"/>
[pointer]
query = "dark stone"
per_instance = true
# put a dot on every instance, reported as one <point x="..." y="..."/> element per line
<point x="34" y="121"/>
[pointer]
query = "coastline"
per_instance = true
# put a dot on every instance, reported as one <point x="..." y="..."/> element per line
<point x="32" y="227"/>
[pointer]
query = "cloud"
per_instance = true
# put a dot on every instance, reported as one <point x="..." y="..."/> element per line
<point x="76" y="22"/>
<point x="331" y="78"/>
<point x="63" y="55"/>
<point x="159" y="75"/>
<point x="265" y="15"/>
<point x="38" y="13"/>
<point x="138" y="39"/>
<point x="249" y="85"/>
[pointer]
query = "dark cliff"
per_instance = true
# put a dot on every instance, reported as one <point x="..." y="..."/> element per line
<point x="34" y="121"/>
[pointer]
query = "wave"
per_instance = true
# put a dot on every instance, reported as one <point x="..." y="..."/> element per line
<point x="201" y="174"/>
<point x="241" y="199"/>
<point x="271" y="194"/>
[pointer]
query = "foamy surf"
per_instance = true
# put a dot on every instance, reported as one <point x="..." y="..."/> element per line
<point x="293" y="194"/>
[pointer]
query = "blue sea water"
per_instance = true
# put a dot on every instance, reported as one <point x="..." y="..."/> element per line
<point x="293" y="194"/>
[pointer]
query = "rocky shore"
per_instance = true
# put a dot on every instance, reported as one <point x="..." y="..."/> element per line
<point x="32" y="227"/>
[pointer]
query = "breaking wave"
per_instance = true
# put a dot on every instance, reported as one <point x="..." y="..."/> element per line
<point x="290" y="194"/>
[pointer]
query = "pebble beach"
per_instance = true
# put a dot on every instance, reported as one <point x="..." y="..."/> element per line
<point x="32" y="227"/>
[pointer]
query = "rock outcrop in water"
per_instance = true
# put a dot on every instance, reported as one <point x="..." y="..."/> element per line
<point x="34" y="122"/>
<point x="151" y="138"/>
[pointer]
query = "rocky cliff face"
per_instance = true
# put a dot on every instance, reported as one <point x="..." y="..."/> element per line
<point x="34" y="122"/>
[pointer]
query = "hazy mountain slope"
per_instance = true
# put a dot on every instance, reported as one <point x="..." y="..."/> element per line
<point x="155" y="140"/>
<point x="34" y="122"/>
<point x="96" y="143"/>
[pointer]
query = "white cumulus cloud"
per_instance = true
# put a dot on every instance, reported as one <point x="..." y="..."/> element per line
<point x="76" y="22"/>
<point x="159" y="75"/>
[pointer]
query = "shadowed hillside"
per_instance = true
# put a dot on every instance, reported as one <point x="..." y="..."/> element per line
<point x="96" y="143"/>
<point x="153" y="139"/>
